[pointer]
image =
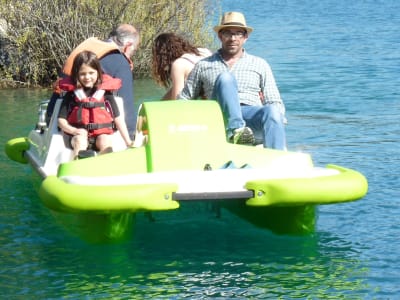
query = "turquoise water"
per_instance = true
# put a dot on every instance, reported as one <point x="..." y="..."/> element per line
<point x="337" y="65"/>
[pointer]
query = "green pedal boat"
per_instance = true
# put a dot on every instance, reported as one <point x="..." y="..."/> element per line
<point x="185" y="158"/>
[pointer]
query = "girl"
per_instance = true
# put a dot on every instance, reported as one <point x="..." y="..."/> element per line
<point x="89" y="112"/>
<point x="173" y="59"/>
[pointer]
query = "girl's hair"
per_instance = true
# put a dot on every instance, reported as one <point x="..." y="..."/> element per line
<point x="88" y="58"/>
<point x="167" y="47"/>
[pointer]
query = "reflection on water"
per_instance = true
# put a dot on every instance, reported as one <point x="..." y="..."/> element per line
<point x="258" y="263"/>
<point x="205" y="257"/>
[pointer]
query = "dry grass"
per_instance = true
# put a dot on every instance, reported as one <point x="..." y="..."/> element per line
<point x="41" y="33"/>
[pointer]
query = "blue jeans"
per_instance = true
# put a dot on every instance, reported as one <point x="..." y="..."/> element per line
<point x="265" y="121"/>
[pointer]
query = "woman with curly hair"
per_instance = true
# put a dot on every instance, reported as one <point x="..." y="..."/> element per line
<point x="173" y="59"/>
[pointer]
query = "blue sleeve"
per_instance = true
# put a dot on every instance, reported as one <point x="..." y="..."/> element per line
<point x="116" y="65"/>
<point x="114" y="107"/>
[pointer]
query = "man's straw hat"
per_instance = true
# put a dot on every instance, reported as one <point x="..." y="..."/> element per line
<point x="233" y="19"/>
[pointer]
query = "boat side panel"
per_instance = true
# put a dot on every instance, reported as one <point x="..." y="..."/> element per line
<point x="48" y="147"/>
<point x="61" y="196"/>
<point x="348" y="185"/>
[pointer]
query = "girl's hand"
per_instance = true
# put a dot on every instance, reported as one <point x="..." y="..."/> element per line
<point x="81" y="131"/>
<point x="129" y="144"/>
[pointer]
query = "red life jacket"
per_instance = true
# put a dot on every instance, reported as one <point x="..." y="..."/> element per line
<point x="93" y="112"/>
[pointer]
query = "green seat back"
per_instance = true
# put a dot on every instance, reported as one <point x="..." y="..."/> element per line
<point x="183" y="134"/>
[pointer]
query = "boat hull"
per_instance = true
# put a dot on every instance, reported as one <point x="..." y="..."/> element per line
<point x="98" y="228"/>
<point x="290" y="220"/>
<point x="186" y="158"/>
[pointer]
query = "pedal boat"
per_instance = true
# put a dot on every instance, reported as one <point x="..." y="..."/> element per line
<point x="186" y="158"/>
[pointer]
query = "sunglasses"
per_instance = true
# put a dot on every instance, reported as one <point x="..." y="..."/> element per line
<point x="238" y="34"/>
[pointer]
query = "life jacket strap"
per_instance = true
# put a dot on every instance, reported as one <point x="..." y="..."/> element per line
<point x="94" y="126"/>
<point x="80" y="94"/>
<point x="91" y="104"/>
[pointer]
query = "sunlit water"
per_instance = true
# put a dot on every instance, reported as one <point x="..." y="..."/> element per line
<point x="337" y="65"/>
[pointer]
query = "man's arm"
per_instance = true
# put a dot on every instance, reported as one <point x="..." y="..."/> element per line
<point x="269" y="88"/>
<point x="271" y="91"/>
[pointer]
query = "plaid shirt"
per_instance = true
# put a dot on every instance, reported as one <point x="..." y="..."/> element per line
<point x="256" y="83"/>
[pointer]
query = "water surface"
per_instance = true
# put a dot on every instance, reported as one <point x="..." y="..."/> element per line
<point x="337" y="66"/>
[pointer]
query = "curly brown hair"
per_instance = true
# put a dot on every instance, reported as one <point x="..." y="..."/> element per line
<point x="167" y="47"/>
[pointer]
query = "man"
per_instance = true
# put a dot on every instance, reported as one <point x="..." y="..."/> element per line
<point x="243" y="85"/>
<point x="115" y="58"/>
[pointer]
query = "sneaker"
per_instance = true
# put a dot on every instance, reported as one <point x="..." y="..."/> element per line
<point x="243" y="136"/>
<point x="86" y="154"/>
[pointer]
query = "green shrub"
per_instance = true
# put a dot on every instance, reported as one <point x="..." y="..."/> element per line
<point x="40" y="34"/>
